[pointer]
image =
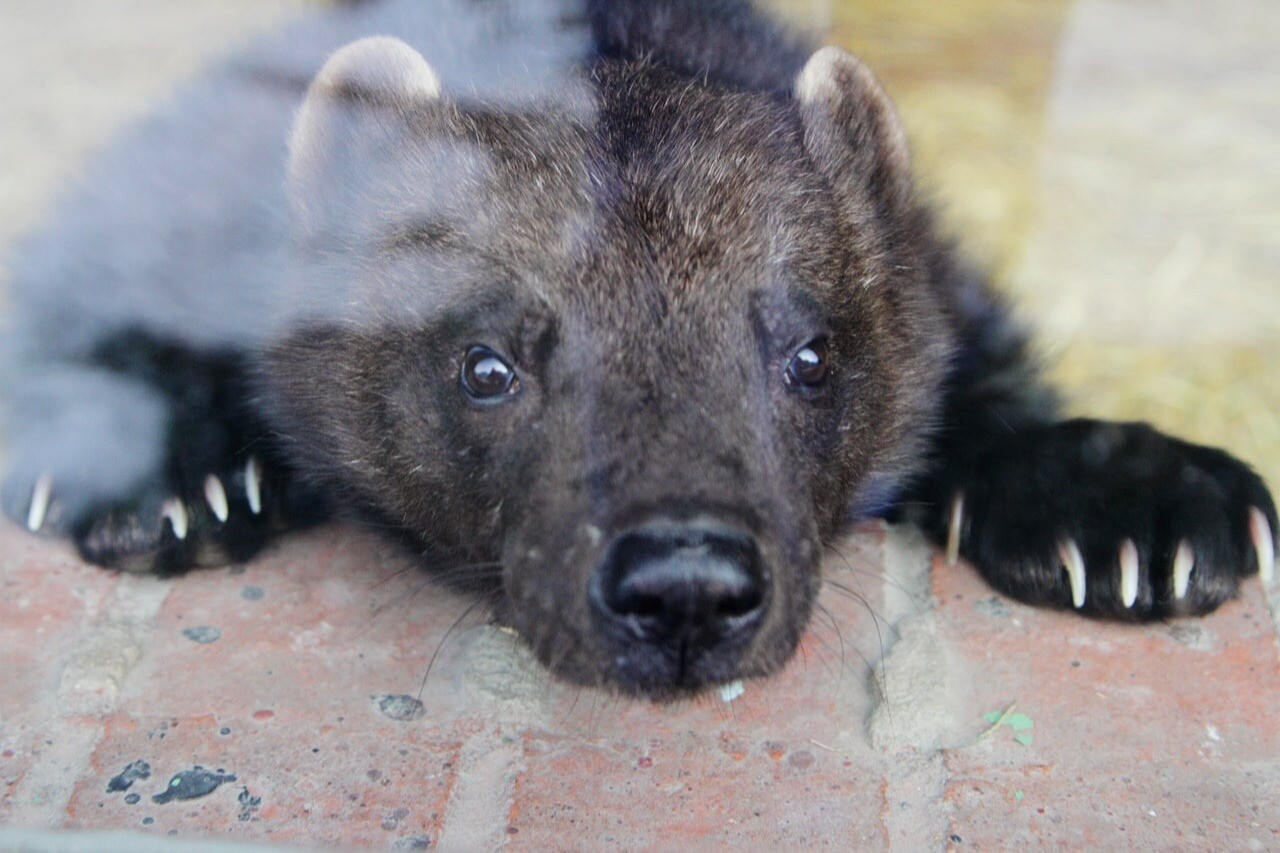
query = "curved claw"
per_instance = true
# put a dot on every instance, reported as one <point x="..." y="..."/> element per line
<point x="1263" y="544"/>
<point x="954" y="527"/>
<point x="176" y="511"/>
<point x="216" y="496"/>
<point x="1073" y="562"/>
<point x="253" y="484"/>
<point x="1128" y="572"/>
<point x="1184" y="560"/>
<point x="40" y="496"/>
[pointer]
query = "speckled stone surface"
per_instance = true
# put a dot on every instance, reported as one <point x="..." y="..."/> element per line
<point x="355" y="708"/>
<point x="343" y="703"/>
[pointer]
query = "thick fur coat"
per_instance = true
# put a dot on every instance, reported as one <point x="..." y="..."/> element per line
<point x="616" y="311"/>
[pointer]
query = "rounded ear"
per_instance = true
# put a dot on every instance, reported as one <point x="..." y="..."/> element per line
<point x="361" y="100"/>
<point x="852" y="130"/>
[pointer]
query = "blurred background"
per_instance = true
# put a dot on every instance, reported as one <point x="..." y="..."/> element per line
<point x="1115" y="164"/>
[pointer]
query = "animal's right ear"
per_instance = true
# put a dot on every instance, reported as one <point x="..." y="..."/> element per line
<point x="362" y="103"/>
<point x="852" y="130"/>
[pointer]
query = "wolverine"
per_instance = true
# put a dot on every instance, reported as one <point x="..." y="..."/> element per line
<point x="615" y="312"/>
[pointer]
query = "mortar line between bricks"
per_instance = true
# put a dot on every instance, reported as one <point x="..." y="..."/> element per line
<point x="96" y="671"/>
<point x="89" y="687"/>
<point x="916" y="772"/>
<point x="483" y="794"/>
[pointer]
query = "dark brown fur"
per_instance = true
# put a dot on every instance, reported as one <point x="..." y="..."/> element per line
<point x="647" y="250"/>
<point x="683" y="240"/>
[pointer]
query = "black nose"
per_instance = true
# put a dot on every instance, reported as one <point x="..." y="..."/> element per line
<point x="686" y="585"/>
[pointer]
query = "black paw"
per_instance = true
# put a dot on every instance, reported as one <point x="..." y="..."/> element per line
<point x="195" y="483"/>
<point x="169" y="525"/>
<point x="1115" y="520"/>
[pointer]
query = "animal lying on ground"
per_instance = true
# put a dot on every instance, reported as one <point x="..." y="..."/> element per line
<point x="616" y="312"/>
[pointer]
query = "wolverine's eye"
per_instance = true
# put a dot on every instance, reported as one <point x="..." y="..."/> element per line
<point x="486" y="375"/>
<point x="808" y="366"/>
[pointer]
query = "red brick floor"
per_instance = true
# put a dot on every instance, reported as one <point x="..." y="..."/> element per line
<point x="304" y="690"/>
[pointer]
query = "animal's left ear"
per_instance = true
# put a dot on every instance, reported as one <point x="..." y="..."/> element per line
<point x="852" y="130"/>
<point x="363" y="116"/>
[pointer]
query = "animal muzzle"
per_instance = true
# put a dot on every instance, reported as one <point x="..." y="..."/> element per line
<point x="678" y="602"/>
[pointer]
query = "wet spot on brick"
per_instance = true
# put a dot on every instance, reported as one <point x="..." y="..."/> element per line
<point x="132" y="772"/>
<point x="993" y="607"/>
<point x="248" y="804"/>
<point x="402" y="708"/>
<point x="147" y="821"/>
<point x="202" y="634"/>
<point x="1192" y="636"/>
<point x="801" y="759"/>
<point x="193" y="783"/>
<point x="252" y="593"/>
<point x="225" y="730"/>
<point x="133" y="799"/>
<point x="392" y="820"/>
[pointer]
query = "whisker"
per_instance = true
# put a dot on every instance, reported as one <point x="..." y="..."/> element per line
<point x="409" y="567"/>
<point x="445" y="639"/>
<point x="467" y="577"/>
<point x="365" y="523"/>
<point x="568" y="714"/>
<point x="866" y="661"/>
<point x="835" y="626"/>
<point x="874" y="574"/>
<point x="875" y="621"/>
<point x="400" y="601"/>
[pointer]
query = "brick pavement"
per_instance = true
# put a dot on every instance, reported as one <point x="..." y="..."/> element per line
<point x="300" y="675"/>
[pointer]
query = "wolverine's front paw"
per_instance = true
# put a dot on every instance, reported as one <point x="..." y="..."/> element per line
<point x="216" y="521"/>
<point x="1112" y="519"/>
<point x="212" y="520"/>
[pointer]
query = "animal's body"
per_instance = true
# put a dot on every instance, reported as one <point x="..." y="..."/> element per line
<point x="615" y="310"/>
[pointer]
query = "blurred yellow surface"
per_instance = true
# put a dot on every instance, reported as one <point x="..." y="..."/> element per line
<point x="1112" y="163"/>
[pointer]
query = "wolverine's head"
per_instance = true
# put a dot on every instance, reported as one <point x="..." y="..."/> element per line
<point x="621" y="355"/>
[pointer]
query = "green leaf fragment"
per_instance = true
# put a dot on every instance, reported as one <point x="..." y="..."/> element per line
<point x="1019" y="722"/>
<point x="1016" y="721"/>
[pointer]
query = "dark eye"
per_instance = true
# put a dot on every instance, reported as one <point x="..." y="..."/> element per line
<point x="808" y="367"/>
<point x="486" y="375"/>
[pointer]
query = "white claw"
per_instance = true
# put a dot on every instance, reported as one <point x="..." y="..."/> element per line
<point x="954" y="526"/>
<point x="1128" y="572"/>
<point x="253" y="484"/>
<point x="176" y="511"/>
<point x="40" y="496"/>
<point x="1072" y="560"/>
<point x="216" y="496"/>
<point x="1263" y="543"/>
<point x="732" y="690"/>
<point x="1184" y="560"/>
